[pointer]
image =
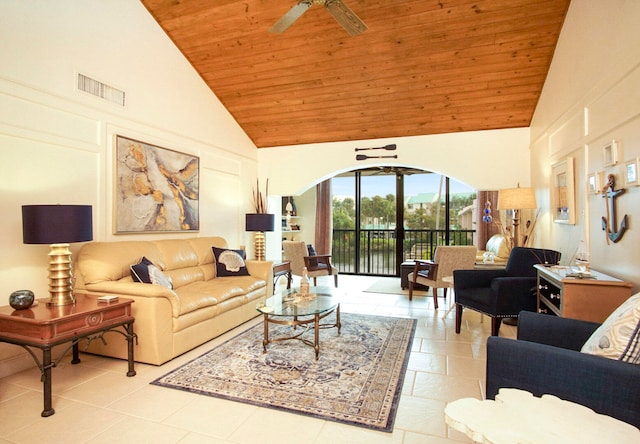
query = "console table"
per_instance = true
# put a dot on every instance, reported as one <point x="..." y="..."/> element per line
<point x="590" y="297"/>
<point x="45" y="326"/>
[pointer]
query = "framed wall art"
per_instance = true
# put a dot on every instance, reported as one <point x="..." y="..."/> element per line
<point x="593" y="183"/>
<point x="610" y="153"/>
<point x="631" y="173"/>
<point x="156" y="189"/>
<point x="563" y="192"/>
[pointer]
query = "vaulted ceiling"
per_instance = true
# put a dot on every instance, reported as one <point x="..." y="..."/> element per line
<point x="422" y="67"/>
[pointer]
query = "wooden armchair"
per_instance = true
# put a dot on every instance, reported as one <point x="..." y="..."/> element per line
<point x="317" y="265"/>
<point x="445" y="260"/>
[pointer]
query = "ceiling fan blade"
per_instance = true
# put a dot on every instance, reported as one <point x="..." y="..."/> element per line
<point x="346" y="17"/>
<point x="291" y="16"/>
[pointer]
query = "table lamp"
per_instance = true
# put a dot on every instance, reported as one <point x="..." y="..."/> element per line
<point x="58" y="225"/>
<point x="516" y="199"/>
<point x="259" y="222"/>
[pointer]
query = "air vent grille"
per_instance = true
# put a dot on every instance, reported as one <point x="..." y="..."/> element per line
<point x="102" y="90"/>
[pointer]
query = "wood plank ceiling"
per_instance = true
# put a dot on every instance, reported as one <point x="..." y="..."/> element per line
<point x="422" y="67"/>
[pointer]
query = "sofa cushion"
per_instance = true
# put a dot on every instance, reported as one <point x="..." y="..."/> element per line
<point x="619" y="335"/>
<point x="230" y="262"/>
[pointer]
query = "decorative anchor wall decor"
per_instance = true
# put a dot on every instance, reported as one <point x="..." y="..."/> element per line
<point x="609" y="222"/>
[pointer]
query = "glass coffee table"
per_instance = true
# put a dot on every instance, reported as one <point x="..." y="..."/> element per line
<point x="291" y="308"/>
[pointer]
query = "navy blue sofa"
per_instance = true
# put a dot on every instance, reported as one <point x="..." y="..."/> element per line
<point x="546" y="359"/>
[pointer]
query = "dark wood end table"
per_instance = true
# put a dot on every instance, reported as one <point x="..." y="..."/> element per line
<point x="405" y="269"/>
<point x="282" y="269"/>
<point x="46" y="326"/>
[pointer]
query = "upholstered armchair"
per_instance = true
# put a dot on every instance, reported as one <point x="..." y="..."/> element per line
<point x="317" y="265"/>
<point x="433" y="273"/>
<point x="546" y="358"/>
<point x="503" y="292"/>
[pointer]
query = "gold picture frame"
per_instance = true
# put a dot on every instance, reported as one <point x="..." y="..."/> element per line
<point x="563" y="192"/>
<point x="156" y="189"/>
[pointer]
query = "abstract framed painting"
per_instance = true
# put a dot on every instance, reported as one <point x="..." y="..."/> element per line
<point x="156" y="189"/>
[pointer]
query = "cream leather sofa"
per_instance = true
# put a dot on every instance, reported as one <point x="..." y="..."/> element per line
<point x="170" y="322"/>
<point x="498" y="247"/>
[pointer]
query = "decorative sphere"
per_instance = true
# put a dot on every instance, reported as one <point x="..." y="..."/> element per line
<point x="21" y="299"/>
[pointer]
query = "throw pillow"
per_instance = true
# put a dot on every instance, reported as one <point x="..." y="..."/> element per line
<point x="159" y="278"/>
<point x="230" y="262"/>
<point x="140" y="271"/>
<point x="144" y="271"/>
<point x="618" y="336"/>
<point x="312" y="252"/>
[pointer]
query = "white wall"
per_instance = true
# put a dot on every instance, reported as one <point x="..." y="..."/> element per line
<point x="485" y="160"/>
<point x="592" y="96"/>
<point x="56" y="143"/>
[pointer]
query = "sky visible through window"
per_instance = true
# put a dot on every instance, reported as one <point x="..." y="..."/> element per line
<point x="385" y="184"/>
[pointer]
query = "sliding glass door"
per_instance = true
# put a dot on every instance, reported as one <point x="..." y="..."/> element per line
<point x="384" y="216"/>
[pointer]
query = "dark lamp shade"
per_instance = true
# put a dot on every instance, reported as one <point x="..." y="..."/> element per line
<point x="56" y="224"/>
<point x="259" y="222"/>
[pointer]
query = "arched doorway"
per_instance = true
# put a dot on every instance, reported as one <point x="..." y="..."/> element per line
<point x="383" y="216"/>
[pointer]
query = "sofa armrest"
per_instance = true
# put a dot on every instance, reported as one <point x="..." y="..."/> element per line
<point x="605" y="385"/>
<point x="553" y="330"/>
<point x="262" y="270"/>
<point x="137" y="289"/>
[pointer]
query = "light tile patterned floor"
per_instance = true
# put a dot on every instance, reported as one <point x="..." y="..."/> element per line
<point x="96" y="403"/>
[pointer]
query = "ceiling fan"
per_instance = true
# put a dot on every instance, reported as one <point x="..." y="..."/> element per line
<point x="341" y="12"/>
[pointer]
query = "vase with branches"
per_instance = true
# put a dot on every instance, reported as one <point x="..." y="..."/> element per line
<point x="260" y="221"/>
<point x="260" y="203"/>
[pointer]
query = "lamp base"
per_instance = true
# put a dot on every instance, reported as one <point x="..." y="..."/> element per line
<point x="60" y="276"/>
<point x="259" y="245"/>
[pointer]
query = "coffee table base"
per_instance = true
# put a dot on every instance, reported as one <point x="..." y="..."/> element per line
<point x="308" y="322"/>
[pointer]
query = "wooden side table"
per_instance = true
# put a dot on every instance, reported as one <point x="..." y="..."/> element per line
<point x="282" y="269"/>
<point x="405" y="269"/>
<point x="46" y="326"/>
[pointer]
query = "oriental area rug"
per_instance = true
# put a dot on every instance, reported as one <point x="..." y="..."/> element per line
<point x="356" y="380"/>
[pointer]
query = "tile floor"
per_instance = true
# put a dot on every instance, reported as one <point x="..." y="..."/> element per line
<point x="96" y="403"/>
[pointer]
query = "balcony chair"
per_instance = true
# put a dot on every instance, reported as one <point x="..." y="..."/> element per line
<point x="546" y="358"/>
<point x="503" y="292"/>
<point x="298" y="254"/>
<point x="433" y="273"/>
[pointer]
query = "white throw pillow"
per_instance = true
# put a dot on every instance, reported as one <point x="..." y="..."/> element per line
<point x="159" y="278"/>
<point x="618" y="336"/>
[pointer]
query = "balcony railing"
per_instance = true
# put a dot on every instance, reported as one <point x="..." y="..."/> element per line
<point x="377" y="255"/>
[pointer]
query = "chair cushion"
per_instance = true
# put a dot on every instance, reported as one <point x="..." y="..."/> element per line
<point x="230" y="262"/>
<point x="619" y="335"/>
